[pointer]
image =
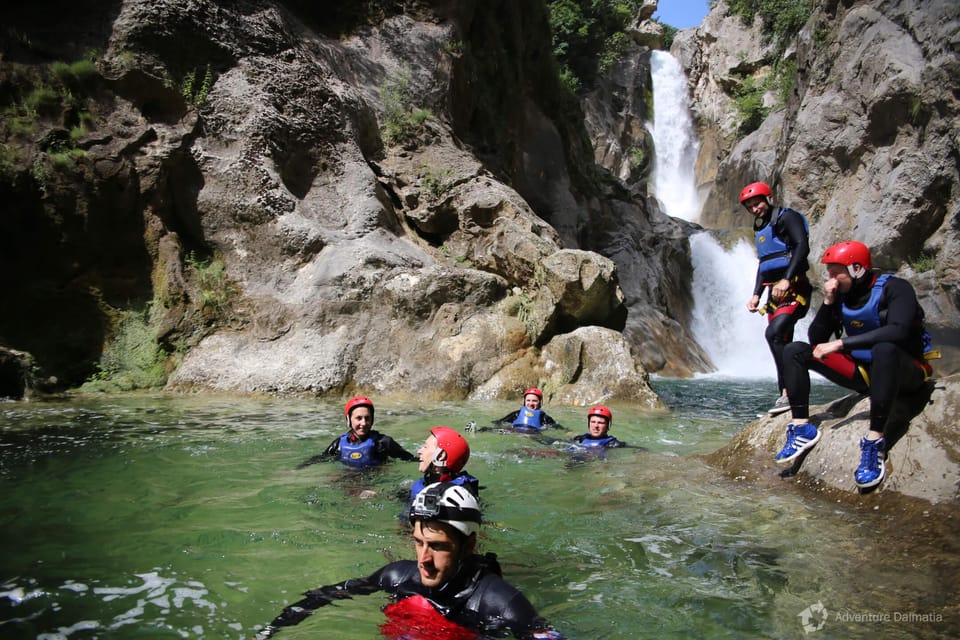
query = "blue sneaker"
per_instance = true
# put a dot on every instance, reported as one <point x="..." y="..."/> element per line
<point x="800" y="437"/>
<point x="871" y="471"/>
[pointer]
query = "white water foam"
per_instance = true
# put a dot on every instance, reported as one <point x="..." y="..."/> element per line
<point x="722" y="284"/>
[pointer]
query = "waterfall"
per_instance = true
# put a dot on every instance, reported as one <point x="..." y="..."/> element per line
<point x="722" y="280"/>
<point x="674" y="141"/>
<point x="722" y="284"/>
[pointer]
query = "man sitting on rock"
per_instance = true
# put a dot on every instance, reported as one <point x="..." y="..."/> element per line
<point x="881" y="352"/>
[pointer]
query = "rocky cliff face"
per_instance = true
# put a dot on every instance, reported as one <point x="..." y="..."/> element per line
<point x="403" y="200"/>
<point x="327" y="201"/>
<point x="865" y="145"/>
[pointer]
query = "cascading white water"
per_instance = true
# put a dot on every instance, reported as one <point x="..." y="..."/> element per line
<point x="674" y="141"/>
<point x="722" y="284"/>
<point x="722" y="280"/>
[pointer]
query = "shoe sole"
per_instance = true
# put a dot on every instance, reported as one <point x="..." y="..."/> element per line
<point x="806" y="447"/>
<point x="778" y="410"/>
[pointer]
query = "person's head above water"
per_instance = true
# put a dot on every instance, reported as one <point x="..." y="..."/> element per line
<point x="533" y="398"/>
<point x="359" y="413"/>
<point x="445" y="450"/>
<point x="446" y="519"/>
<point x="599" y="419"/>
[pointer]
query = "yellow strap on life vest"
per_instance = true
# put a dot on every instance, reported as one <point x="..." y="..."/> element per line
<point x="789" y="297"/>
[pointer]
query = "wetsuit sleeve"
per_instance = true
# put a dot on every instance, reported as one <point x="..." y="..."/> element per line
<point x="504" y="608"/>
<point x="387" y="447"/>
<point x="758" y="283"/>
<point x="791" y="228"/>
<point x="546" y="420"/>
<point x="509" y="418"/>
<point x="900" y="301"/>
<point x="332" y="451"/>
<point x="825" y="325"/>
<point x="319" y="597"/>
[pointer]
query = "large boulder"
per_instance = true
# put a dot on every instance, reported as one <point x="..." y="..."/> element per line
<point x="923" y="463"/>
<point x="588" y="366"/>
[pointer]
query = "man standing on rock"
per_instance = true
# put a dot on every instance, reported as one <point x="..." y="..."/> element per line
<point x="782" y="237"/>
<point x="881" y="352"/>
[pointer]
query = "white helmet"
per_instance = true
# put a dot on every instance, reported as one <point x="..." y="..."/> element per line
<point x="449" y="503"/>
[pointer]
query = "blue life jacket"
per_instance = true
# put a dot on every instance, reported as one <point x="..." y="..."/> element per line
<point x="463" y="479"/>
<point x="528" y="420"/>
<point x="866" y="318"/>
<point x="586" y="440"/>
<point x="358" y="454"/>
<point x="772" y="250"/>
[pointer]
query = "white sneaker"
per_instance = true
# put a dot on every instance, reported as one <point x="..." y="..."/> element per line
<point x="782" y="404"/>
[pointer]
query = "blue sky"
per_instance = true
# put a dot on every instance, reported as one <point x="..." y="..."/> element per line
<point x="681" y="14"/>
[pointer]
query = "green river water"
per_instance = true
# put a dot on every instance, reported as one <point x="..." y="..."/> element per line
<point x="169" y="516"/>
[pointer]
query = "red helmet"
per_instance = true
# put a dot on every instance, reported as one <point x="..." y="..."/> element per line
<point x="755" y="189"/>
<point x="535" y="392"/>
<point x="848" y="254"/>
<point x="600" y="410"/>
<point x="357" y="401"/>
<point x="452" y="449"/>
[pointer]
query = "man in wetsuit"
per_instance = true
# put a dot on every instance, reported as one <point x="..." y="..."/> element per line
<point x="361" y="446"/>
<point x="782" y="239"/>
<point x="599" y="421"/>
<point x="881" y="352"/>
<point x="442" y="457"/>
<point x="447" y="587"/>
<point x="530" y="418"/>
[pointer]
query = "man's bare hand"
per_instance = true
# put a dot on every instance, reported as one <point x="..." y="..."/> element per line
<point x="830" y="291"/>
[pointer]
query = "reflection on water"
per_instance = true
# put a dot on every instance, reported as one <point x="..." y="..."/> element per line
<point x="183" y="517"/>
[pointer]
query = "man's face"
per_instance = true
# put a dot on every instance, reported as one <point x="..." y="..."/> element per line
<point x="839" y="273"/>
<point x="426" y="452"/>
<point x="531" y="401"/>
<point x="361" y="421"/>
<point x="597" y="426"/>
<point x="440" y="551"/>
<point x="757" y="205"/>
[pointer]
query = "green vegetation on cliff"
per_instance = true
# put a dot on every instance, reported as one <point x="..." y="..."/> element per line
<point x="782" y="19"/>
<point x="588" y="37"/>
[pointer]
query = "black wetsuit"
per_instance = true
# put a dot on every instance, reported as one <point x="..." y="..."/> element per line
<point x="476" y="598"/>
<point x="896" y="346"/>
<point x="782" y="317"/>
<point x="384" y="447"/>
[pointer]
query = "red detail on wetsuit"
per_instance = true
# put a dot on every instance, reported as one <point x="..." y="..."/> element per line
<point x="414" y="618"/>
<point x="783" y="310"/>
<point x="842" y="363"/>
